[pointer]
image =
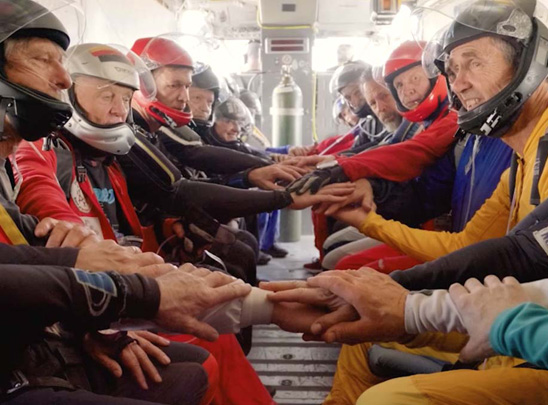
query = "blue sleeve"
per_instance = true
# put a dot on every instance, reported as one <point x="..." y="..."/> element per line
<point x="283" y="150"/>
<point x="522" y="332"/>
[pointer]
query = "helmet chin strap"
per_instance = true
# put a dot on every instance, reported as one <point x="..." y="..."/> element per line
<point x="168" y="120"/>
<point x="4" y="104"/>
<point x="199" y="122"/>
<point x="364" y="111"/>
<point x="50" y="140"/>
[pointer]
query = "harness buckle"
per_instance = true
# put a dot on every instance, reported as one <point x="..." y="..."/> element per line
<point x="81" y="174"/>
<point x="16" y="382"/>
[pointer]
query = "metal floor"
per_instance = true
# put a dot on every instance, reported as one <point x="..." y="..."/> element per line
<point x="301" y="372"/>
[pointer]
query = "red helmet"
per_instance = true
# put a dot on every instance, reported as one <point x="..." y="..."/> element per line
<point x="156" y="53"/>
<point x="405" y="57"/>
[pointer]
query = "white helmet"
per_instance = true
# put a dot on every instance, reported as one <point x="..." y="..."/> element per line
<point x="112" y="65"/>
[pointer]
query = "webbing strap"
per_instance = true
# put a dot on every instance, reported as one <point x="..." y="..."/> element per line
<point x="10" y="228"/>
<point x="540" y="163"/>
<point x="512" y="175"/>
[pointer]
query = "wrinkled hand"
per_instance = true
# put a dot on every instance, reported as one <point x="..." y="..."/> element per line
<point x="314" y="181"/>
<point x="336" y="310"/>
<point x="300" y="150"/>
<point x="267" y="176"/>
<point x="294" y="317"/>
<point x="294" y="161"/>
<point x="362" y="195"/>
<point x="329" y="194"/>
<point x="379" y="301"/>
<point x="315" y="160"/>
<point x="189" y="291"/>
<point x="279" y="157"/>
<point x="135" y="357"/>
<point x="479" y="305"/>
<point x="352" y="216"/>
<point x="63" y="233"/>
<point x="108" y="255"/>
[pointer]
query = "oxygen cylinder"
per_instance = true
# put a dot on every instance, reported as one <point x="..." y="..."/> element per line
<point x="287" y="128"/>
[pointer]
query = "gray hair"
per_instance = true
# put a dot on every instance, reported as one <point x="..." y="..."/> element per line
<point x="367" y="74"/>
<point x="510" y="52"/>
<point x="11" y="44"/>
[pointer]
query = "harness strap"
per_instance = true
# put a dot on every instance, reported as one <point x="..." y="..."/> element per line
<point x="10" y="228"/>
<point x="81" y="172"/>
<point x="4" y="104"/>
<point x="540" y="163"/>
<point x="512" y="175"/>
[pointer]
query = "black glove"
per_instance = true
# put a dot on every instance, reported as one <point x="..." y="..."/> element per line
<point x="317" y="179"/>
<point x="201" y="233"/>
<point x="200" y="229"/>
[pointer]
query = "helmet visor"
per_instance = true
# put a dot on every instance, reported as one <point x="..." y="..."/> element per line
<point x="111" y="65"/>
<point x="55" y="19"/>
<point x="146" y="83"/>
<point x="447" y="24"/>
<point x="377" y="72"/>
<point x="345" y="75"/>
<point x="35" y="40"/>
<point x="106" y="76"/>
<point x="338" y="106"/>
<point x="174" y="49"/>
<point x="235" y="111"/>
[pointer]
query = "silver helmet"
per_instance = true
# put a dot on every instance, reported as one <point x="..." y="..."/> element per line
<point x="113" y="65"/>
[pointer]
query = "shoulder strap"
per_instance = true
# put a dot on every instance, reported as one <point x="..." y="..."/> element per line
<point x="459" y="148"/>
<point x="9" y="228"/>
<point x="404" y="133"/>
<point x="540" y="162"/>
<point x="512" y="176"/>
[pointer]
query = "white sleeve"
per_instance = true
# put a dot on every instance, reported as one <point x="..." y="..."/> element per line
<point x="431" y="310"/>
<point x="434" y="310"/>
<point x="230" y="317"/>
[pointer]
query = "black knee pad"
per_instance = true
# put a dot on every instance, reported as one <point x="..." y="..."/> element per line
<point x="391" y="363"/>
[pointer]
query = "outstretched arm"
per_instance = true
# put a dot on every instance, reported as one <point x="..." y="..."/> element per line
<point x="405" y="160"/>
<point x="521" y="255"/>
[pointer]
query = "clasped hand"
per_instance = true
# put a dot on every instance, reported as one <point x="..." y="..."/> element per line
<point x="354" y="310"/>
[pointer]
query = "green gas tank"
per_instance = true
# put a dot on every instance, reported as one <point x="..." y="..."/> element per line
<point x="287" y="128"/>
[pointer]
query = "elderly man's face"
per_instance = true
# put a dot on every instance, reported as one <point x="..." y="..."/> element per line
<point x="201" y="103"/>
<point x="382" y="103"/>
<point x="228" y="130"/>
<point x="477" y="71"/>
<point x="353" y="95"/>
<point x="104" y="103"/>
<point x="412" y="87"/>
<point x="38" y="64"/>
<point x="172" y="85"/>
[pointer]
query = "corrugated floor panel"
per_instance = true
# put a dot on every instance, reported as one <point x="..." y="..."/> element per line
<point x="301" y="372"/>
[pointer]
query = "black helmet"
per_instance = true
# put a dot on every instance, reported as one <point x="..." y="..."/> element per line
<point x="204" y="78"/>
<point x="251" y="101"/>
<point x="346" y="74"/>
<point x="33" y="114"/>
<point x="232" y="109"/>
<point x="513" y="22"/>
